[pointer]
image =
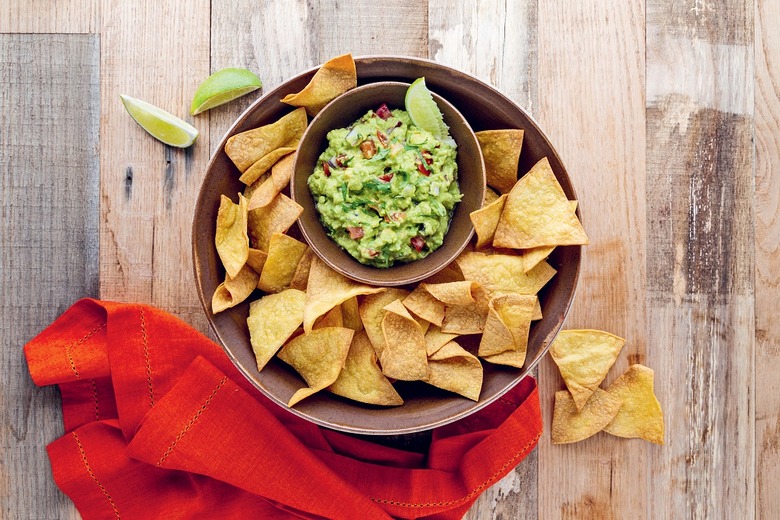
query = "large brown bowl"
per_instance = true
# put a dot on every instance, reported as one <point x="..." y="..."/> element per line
<point x="342" y="112"/>
<point x="425" y="407"/>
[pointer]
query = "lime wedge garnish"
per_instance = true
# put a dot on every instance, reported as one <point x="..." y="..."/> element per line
<point x="424" y="111"/>
<point x="163" y="126"/>
<point x="223" y="86"/>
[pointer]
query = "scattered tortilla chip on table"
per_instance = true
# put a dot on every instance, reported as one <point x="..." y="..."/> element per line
<point x="247" y="148"/>
<point x="640" y="415"/>
<point x="318" y="356"/>
<point x="537" y="213"/>
<point x="361" y="379"/>
<point x="584" y="357"/>
<point x="231" y="237"/>
<point x="501" y="152"/>
<point x="572" y="425"/>
<point x="332" y="79"/>
<point x="453" y="368"/>
<point x="404" y="356"/>
<point x="272" y="320"/>
<point x="326" y="288"/>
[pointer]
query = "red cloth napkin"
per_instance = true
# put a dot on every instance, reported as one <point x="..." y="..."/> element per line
<point x="160" y="424"/>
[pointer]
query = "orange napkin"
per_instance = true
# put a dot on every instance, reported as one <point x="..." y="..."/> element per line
<point x="160" y="424"/>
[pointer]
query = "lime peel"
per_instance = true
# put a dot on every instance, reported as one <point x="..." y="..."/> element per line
<point x="160" y="124"/>
<point x="223" y="86"/>
<point x="424" y="111"/>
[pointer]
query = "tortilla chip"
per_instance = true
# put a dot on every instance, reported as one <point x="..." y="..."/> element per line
<point x="281" y="172"/>
<point x="262" y="165"/>
<point x="451" y="293"/>
<point x="507" y="326"/>
<point x="436" y="339"/>
<point x="277" y="217"/>
<point x="467" y="319"/>
<point x="318" y="357"/>
<point x="490" y="196"/>
<point x="233" y="291"/>
<point x="301" y="275"/>
<point x="537" y="315"/>
<point x="451" y="273"/>
<point x="351" y="313"/>
<point x="537" y="213"/>
<point x="272" y="320"/>
<point x="424" y="305"/>
<point x="501" y="151"/>
<point x="485" y="221"/>
<point x="256" y="259"/>
<point x="246" y="148"/>
<point x="333" y="78"/>
<point x="584" y="357"/>
<point x="403" y="356"/>
<point x="372" y="312"/>
<point x="231" y="236"/>
<point x="332" y="318"/>
<point x="571" y="425"/>
<point x="452" y="368"/>
<point x="532" y="257"/>
<point x="500" y="274"/>
<point x="640" y="415"/>
<point x="361" y="379"/>
<point x="326" y="288"/>
<point x="284" y="253"/>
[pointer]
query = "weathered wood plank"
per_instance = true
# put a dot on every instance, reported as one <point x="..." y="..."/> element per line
<point x="158" y="52"/>
<point x="496" y="42"/>
<point x="700" y="252"/>
<point x="49" y="86"/>
<point x="767" y="222"/>
<point x="591" y="103"/>
<point x="46" y="16"/>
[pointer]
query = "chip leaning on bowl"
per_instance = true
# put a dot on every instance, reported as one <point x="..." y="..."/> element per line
<point x="440" y="331"/>
<point x="386" y="189"/>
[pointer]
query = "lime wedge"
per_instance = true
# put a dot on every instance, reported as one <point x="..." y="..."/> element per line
<point x="424" y="111"/>
<point x="223" y="86"/>
<point x="163" y="126"/>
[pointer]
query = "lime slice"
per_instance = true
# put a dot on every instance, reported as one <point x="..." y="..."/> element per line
<point x="163" y="126"/>
<point x="223" y="86"/>
<point x="424" y="111"/>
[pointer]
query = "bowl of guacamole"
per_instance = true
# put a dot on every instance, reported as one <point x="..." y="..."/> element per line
<point x="386" y="202"/>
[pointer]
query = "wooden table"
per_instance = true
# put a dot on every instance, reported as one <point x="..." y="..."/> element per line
<point x="667" y="114"/>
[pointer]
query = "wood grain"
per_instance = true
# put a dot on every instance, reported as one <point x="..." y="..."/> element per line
<point x="148" y="189"/>
<point x="46" y="16"/>
<point x="476" y="37"/>
<point x="591" y="103"/>
<point x="49" y="85"/>
<point x="767" y="229"/>
<point x="700" y="256"/>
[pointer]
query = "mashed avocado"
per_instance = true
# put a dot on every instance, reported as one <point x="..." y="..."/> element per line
<point x="385" y="189"/>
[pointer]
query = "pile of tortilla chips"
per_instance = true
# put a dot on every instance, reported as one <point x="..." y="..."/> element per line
<point x="356" y="340"/>
<point x="628" y="408"/>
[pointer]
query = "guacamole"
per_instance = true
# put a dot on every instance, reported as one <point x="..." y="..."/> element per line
<point x="385" y="190"/>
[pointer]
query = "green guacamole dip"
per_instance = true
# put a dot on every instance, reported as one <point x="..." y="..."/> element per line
<point x="385" y="189"/>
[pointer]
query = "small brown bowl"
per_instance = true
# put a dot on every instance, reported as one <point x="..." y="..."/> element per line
<point x="342" y="112"/>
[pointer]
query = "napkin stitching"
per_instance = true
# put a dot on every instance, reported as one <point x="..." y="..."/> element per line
<point x="92" y="474"/>
<point x="93" y="385"/>
<point x="191" y="422"/>
<point x="477" y="490"/>
<point x="146" y="360"/>
<point x="69" y="348"/>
